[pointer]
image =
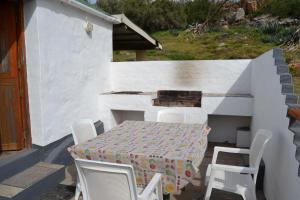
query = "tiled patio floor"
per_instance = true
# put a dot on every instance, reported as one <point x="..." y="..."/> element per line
<point x="66" y="189"/>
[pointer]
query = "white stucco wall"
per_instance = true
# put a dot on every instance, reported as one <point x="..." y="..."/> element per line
<point x="67" y="68"/>
<point x="221" y="105"/>
<point x="224" y="127"/>
<point x="210" y="76"/>
<point x="269" y="112"/>
<point x="33" y="69"/>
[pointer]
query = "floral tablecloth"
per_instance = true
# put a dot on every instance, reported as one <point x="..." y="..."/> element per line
<point x="173" y="149"/>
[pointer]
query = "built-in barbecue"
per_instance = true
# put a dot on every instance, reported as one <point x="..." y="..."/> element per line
<point x="178" y="98"/>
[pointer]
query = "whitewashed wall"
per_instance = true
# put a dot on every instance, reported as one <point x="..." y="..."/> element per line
<point x="269" y="112"/>
<point x="230" y="106"/>
<point x="33" y="70"/>
<point x="224" y="127"/>
<point x="67" y="68"/>
<point x="210" y="76"/>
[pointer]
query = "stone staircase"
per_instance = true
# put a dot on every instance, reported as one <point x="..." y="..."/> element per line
<point x="28" y="174"/>
<point x="23" y="176"/>
<point x="294" y="126"/>
<point x="291" y="99"/>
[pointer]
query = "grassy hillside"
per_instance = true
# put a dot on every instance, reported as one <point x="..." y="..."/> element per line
<point x="238" y="42"/>
<point x="234" y="43"/>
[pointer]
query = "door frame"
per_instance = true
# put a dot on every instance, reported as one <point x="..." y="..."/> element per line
<point x="22" y="75"/>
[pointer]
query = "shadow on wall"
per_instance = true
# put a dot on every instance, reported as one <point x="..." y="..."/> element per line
<point x="187" y="74"/>
<point x="232" y="91"/>
<point x="224" y="126"/>
<point x="29" y="9"/>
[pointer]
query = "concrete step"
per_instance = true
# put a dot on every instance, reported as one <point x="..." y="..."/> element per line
<point x="18" y="162"/>
<point x="277" y="53"/>
<point x="295" y="129"/>
<point x="297" y="140"/>
<point x="294" y="124"/>
<point x="279" y="61"/>
<point x="294" y="106"/>
<point x="291" y="99"/>
<point x="282" y="69"/>
<point x="298" y="154"/>
<point x="32" y="182"/>
<point x="286" y="78"/>
<point x="287" y="89"/>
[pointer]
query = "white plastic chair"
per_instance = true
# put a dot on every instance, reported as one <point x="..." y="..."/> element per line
<point x="237" y="179"/>
<point x="107" y="181"/>
<point x="170" y="115"/>
<point x="82" y="131"/>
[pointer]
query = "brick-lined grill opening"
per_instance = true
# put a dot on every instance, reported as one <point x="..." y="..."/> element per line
<point x="178" y="98"/>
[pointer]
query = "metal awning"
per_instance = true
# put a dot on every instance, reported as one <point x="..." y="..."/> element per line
<point x="128" y="36"/>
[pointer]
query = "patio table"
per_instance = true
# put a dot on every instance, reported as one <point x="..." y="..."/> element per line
<point x="173" y="149"/>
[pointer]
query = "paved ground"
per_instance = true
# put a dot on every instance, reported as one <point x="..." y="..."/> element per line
<point x="65" y="191"/>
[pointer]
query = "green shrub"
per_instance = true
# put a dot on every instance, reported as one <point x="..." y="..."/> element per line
<point x="270" y="28"/>
<point x="267" y="39"/>
<point x="174" y="32"/>
<point x="275" y="33"/>
<point x="213" y="29"/>
<point x="286" y="34"/>
<point x="281" y="8"/>
<point x="150" y="15"/>
<point x="197" y="11"/>
<point x="295" y="71"/>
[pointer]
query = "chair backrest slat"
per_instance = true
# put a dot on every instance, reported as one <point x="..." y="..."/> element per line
<point x="258" y="145"/>
<point x="83" y="130"/>
<point x="102" y="180"/>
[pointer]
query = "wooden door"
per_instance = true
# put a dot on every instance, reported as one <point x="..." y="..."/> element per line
<point x="11" y="127"/>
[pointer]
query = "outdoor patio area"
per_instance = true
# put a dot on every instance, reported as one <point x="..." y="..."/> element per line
<point x="74" y="119"/>
<point x="66" y="189"/>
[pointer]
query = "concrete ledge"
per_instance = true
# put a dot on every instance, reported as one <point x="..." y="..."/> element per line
<point x="298" y="154"/>
<point x="18" y="162"/>
<point x="43" y="185"/>
<point x="277" y="52"/>
<point x="286" y="78"/>
<point x="287" y="89"/>
<point x="282" y="69"/>
<point x="291" y="99"/>
<point x="297" y="140"/>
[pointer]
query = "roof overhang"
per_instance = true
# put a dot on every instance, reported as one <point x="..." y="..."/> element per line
<point x="128" y="36"/>
<point x="92" y="11"/>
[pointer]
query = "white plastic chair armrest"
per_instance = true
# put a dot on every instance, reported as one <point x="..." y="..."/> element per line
<point x="155" y="182"/>
<point x="218" y="149"/>
<point x="235" y="169"/>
